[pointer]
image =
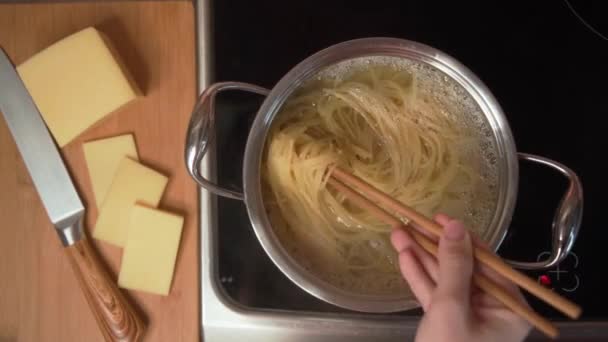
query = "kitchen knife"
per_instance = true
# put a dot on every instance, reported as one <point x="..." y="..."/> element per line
<point x="116" y="317"/>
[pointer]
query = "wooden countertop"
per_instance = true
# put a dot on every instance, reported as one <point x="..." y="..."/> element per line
<point x="40" y="299"/>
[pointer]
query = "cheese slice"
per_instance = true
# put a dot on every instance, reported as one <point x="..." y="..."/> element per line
<point x="103" y="157"/>
<point x="148" y="260"/>
<point x="132" y="183"/>
<point x="76" y="82"/>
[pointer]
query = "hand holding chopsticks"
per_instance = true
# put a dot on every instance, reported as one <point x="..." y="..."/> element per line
<point x="454" y="311"/>
<point x="345" y="182"/>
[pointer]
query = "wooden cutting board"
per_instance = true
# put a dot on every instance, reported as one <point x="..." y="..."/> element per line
<point x="40" y="299"/>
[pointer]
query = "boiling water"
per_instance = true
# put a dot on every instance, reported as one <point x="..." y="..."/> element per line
<point x="475" y="205"/>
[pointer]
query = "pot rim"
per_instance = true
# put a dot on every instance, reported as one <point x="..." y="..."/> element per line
<point x="505" y="150"/>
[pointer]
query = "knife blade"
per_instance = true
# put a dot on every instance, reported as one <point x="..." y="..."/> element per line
<point x="40" y="155"/>
<point x="117" y="319"/>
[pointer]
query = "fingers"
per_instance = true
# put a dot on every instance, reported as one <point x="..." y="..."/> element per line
<point x="419" y="268"/>
<point x="421" y="284"/>
<point x="455" y="258"/>
<point x="500" y="280"/>
<point x="442" y="219"/>
<point x="402" y="240"/>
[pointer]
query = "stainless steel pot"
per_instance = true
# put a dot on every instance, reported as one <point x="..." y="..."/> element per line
<point x="200" y="135"/>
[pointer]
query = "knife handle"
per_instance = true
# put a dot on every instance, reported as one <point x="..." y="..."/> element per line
<point x="115" y="316"/>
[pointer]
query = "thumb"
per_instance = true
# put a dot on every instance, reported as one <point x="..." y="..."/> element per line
<point x="455" y="258"/>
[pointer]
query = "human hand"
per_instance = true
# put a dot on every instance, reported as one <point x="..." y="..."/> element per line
<point x="455" y="310"/>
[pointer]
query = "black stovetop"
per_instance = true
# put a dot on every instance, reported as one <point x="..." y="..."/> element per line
<point x="547" y="69"/>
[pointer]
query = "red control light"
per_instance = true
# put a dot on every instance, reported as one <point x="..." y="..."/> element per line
<point x="544" y="280"/>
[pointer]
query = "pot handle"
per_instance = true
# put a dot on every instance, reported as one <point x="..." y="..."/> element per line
<point x="567" y="219"/>
<point x="201" y="133"/>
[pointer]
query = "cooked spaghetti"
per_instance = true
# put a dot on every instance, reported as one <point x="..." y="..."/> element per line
<point x="378" y="125"/>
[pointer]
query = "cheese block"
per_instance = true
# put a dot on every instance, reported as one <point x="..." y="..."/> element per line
<point x="76" y="82"/>
<point x="103" y="157"/>
<point x="148" y="258"/>
<point x="133" y="183"/>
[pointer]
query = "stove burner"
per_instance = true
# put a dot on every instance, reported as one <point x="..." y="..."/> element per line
<point x="584" y="21"/>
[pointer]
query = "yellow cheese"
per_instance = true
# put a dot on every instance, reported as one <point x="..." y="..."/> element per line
<point x="103" y="157"/>
<point x="148" y="259"/>
<point x="133" y="183"/>
<point x="75" y="82"/>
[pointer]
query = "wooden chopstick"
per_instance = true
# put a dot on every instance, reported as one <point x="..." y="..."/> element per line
<point x="480" y="280"/>
<point x="487" y="258"/>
